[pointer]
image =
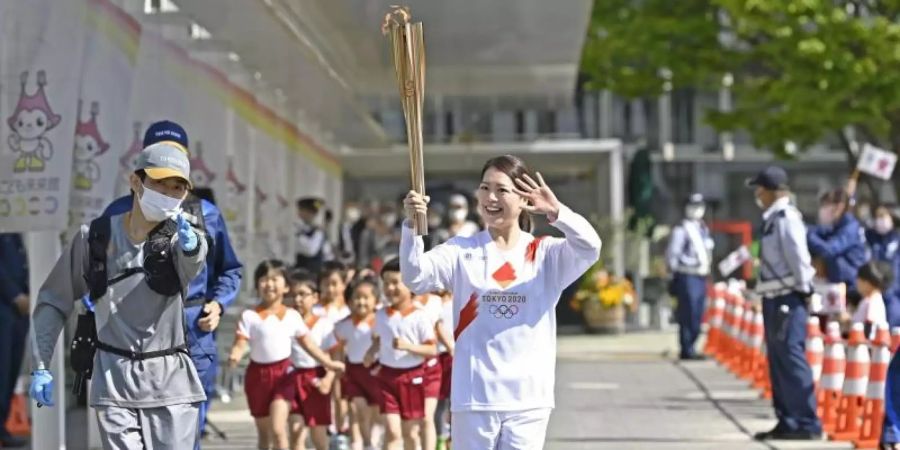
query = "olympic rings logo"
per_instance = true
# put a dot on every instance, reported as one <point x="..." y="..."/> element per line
<point x="503" y="311"/>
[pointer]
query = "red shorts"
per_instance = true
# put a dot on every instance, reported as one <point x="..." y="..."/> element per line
<point x="403" y="391"/>
<point x="446" y="371"/>
<point x="433" y="374"/>
<point x="300" y="388"/>
<point x="358" y="381"/>
<point x="260" y="384"/>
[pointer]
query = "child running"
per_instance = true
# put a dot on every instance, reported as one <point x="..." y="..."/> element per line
<point x="403" y="338"/>
<point x="268" y="331"/>
<point x="433" y="306"/>
<point x="358" y="385"/>
<point x="305" y="392"/>
<point x="332" y="305"/>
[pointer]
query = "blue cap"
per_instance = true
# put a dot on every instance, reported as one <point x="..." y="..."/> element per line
<point x="772" y="178"/>
<point x="166" y="130"/>
<point x="695" y="199"/>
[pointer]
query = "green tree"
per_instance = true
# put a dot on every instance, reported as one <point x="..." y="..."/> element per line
<point x="803" y="70"/>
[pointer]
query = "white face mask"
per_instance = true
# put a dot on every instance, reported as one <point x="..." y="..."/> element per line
<point x="884" y="225"/>
<point x="694" y="212"/>
<point x="352" y="215"/>
<point x="434" y="221"/>
<point x="157" y="207"/>
<point x="389" y="219"/>
<point x="458" y="215"/>
<point x="759" y="203"/>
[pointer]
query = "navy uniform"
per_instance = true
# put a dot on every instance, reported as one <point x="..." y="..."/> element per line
<point x="313" y="248"/>
<point x="688" y="259"/>
<point x="13" y="325"/>
<point x="785" y="282"/>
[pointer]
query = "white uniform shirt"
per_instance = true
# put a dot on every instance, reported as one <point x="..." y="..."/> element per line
<point x="414" y="326"/>
<point x="271" y="335"/>
<point x="332" y="313"/>
<point x="320" y="329"/>
<point x="355" y="337"/>
<point x="504" y="303"/>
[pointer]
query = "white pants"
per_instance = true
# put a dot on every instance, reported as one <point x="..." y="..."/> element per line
<point x="500" y="430"/>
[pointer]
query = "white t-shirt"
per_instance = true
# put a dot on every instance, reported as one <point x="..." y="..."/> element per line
<point x="438" y="311"/>
<point x="320" y="329"/>
<point x="270" y="335"/>
<point x="413" y="325"/>
<point x="334" y="314"/>
<point x="355" y="337"/>
<point x="504" y="303"/>
<point x="870" y="309"/>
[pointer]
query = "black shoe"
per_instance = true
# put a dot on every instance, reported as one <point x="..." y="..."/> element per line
<point x="12" y="441"/>
<point x="693" y="357"/>
<point x="781" y="435"/>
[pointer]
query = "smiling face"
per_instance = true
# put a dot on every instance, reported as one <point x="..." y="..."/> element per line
<point x="272" y="287"/>
<point x="86" y="147"/>
<point x="31" y="124"/>
<point x="395" y="292"/>
<point x="364" y="300"/>
<point x="304" y="297"/>
<point x="498" y="205"/>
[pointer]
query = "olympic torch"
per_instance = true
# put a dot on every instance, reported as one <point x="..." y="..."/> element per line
<point x="408" y="50"/>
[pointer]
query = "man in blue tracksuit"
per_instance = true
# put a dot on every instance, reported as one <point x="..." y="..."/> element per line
<point x="217" y="285"/>
<point x="785" y="282"/>
<point x="688" y="259"/>
<point x="14" y="304"/>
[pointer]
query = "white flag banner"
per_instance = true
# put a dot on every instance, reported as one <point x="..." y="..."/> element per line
<point x="40" y="74"/>
<point x="102" y="133"/>
<point x="265" y="191"/>
<point x="877" y="162"/>
<point x="734" y="260"/>
<point x="236" y="203"/>
<point x="207" y="118"/>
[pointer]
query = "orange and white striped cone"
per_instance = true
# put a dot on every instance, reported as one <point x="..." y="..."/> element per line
<point x="832" y="382"/>
<point x="726" y="341"/>
<point x="714" y="335"/>
<point x="815" y="349"/>
<point x="743" y="341"/>
<point x="757" y="337"/>
<point x="733" y="359"/>
<point x="873" y="409"/>
<point x="856" y="380"/>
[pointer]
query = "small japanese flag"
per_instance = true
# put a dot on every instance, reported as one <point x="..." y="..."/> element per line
<point x="734" y="260"/>
<point x="877" y="162"/>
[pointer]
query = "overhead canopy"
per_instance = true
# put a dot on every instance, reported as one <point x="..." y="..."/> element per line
<point x="329" y="59"/>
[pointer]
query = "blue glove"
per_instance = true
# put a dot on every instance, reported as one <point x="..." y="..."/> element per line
<point x="41" y="389"/>
<point x="186" y="235"/>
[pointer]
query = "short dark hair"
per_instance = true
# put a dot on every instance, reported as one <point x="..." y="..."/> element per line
<point x="268" y="265"/>
<point x="304" y="277"/>
<point x="363" y="280"/>
<point x="514" y="168"/>
<point x="332" y="267"/>
<point x="391" y="265"/>
<point x="204" y="193"/>
<point x="838" y="196"/>
<point x="876" y="273"/>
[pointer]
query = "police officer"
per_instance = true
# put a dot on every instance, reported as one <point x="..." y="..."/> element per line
<point x="838" y="240"/>
<point x="785" y="282"/>
<point x="313" y="248"/>
<point x="688" y="258"/>
<point x="217" y="285"/>
<point x="14" y="306"/>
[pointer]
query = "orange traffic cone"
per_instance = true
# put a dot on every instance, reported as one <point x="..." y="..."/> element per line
<point x="756" y="339"/>
<point x="733" y="360"/>
<point x="832" y="377"/>
<point x="713" y="336"/>
<point x="856" y="379"/>
<point x="18" y="424"/>
<point x="873" y="409"/>
<point x="815" y="349"/>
